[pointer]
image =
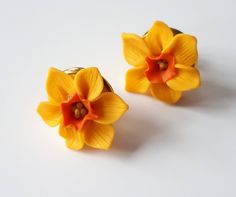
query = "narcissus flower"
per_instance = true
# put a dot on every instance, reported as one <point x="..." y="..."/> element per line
<point x="164" y="60"/>
<point x="83" y="107"/>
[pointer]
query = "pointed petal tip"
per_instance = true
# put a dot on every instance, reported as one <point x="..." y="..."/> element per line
<point x="124" y="35"/>
<point x="89" y="83"/>
<point x="59" y="85"/>
<point x="136" y="80"/>
<point x="50" y="113"/>
<point x="109" y="107"/>
<point x="98" y="136"/>
<point x="165" y="94"/>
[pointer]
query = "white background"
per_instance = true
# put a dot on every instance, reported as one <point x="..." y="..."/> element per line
<point x="187" y="150"/>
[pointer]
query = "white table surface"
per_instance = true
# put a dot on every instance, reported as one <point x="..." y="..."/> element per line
<point x="187" y="150"/>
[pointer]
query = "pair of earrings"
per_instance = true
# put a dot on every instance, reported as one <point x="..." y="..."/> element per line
<point x="84" y="104"/>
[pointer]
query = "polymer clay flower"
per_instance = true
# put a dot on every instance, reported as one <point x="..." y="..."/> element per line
<point x="164" y="60"/>
<point x="83" y="108"/>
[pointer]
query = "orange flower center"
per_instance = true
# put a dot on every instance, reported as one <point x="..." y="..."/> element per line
<point x="76" y="112"/>
<point x="161" y="68"/>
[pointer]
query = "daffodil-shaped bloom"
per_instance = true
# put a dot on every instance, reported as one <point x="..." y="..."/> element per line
<point x="164" y="60"/>
<point x="83" y="107"/>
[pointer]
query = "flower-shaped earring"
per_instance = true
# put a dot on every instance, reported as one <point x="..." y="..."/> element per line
<point x="164" y="60"/>
<point x="83" y="103"/>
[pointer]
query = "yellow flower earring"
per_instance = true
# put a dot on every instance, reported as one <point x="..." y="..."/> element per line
<point x="165" y="62"/>
<point x="85" y="106"/>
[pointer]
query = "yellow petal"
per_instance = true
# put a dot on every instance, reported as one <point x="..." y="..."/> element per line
<point x="97" y="135"/>
<point x="187" y="78"/>
<point x="59" y="85"/>
<point x="135" y="50"/>
<point x="184" y="49"/>
<point x="50" y="113"/>
<point x="164" y="93"/>
<point x="158" y="37"/>
<point x="136" y="81"/>
<point x="74" y="139"/>
<point x="109" y="107"/>
<point x="65" y="132"/>
<point x="89" y="83"/>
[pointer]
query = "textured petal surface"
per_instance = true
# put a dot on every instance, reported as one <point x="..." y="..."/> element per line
<point x="158" y="37"/>
<point x="74" y="139"/>
<point x="184" y="48"/>
<point x="109" y="107"/>
<point x="50" y="113"/>
<point x="164" y="93"/>
<point x="136" y="81"/>
<point x="97" y="135"/>
<point x="187" y="78"/>
<point x="89" y="83"/>
<point x="59" y="85"/>
<point x="135" y="50"/>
